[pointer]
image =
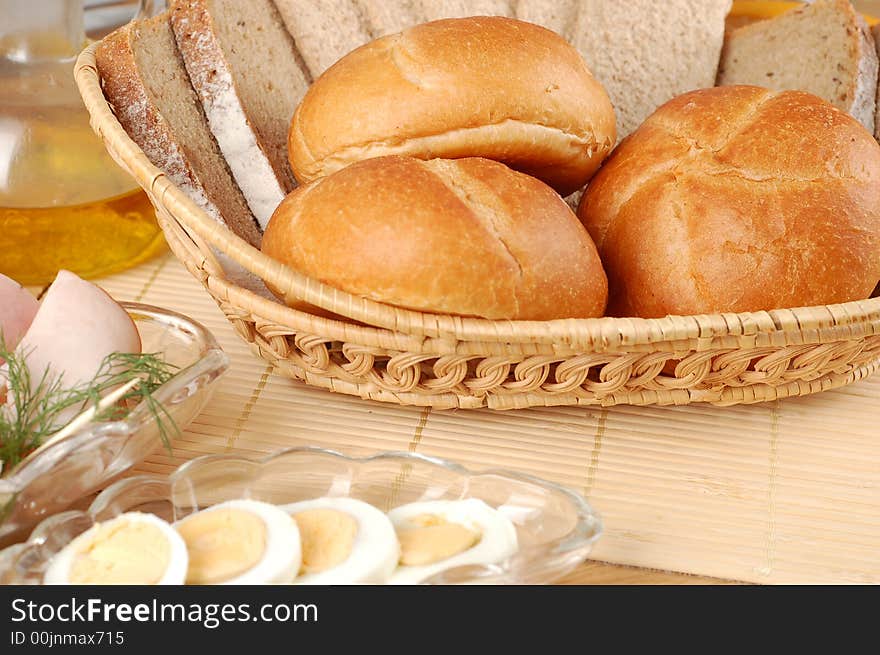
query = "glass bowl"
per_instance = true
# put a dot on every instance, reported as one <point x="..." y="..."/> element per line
<point x="556" y="527"/>
<point x="55" y="477"/>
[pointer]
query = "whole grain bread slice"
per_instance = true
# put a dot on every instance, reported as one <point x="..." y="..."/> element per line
<point x="824" y="48"/>
<point x="249" y="77"/>
<point x="145" y="81"/>
<point x="324" y="30"/>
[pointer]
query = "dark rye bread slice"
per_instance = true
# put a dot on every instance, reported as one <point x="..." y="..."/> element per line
<point x="249" y="77"/>
<point x="145" y="81"/>
<point x="557" y="15"/>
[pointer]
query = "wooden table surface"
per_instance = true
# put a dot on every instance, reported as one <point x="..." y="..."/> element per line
<point x="590" y="573"/>
<point x="599" y="573"/>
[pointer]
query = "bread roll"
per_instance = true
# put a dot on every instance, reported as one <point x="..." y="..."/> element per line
<point x="491" y="87"/>
<point x="738" y="199"/>
<point x="468" y="237"/>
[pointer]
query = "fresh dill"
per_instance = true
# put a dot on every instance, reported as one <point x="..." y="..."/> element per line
<point x="35" y="410"/>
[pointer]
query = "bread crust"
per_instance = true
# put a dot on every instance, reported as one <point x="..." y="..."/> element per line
<point x="487" y="86"/>
<point x="468" y="237"/>
<point x="738" y="199"/>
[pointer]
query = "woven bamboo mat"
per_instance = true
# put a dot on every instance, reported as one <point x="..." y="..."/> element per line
<point x="787" y="492"/>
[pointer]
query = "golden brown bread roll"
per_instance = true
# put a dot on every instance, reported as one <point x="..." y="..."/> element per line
<point x="466" y="236"/>
<point x="738" y="199"/>
<point x="472" y="87"/>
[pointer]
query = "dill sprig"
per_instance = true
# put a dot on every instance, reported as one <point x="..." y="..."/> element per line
<point x="36" y="411"/>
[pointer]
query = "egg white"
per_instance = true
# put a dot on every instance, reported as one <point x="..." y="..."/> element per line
<point x="498" y="535"/>
<point x="58" y="570"/>
<point x="374" y="552"/>
<point x="281" y="557"/>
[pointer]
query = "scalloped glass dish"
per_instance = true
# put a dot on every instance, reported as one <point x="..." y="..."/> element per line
<point x="53" y="478"/>
<point x="556" y="527"/>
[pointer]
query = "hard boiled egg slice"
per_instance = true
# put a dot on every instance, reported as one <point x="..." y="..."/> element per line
<point x="344" y="541"/>
<point x="133" y="548"/>
<point x="442" y="534"/>
<point x="240" y="542"/>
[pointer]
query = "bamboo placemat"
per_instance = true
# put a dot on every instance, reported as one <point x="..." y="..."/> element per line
<point x="785" y="492"/>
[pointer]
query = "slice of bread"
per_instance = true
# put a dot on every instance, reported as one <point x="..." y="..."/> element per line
<point x="324" y="30"/>
<point x="646" y="52"/>
<point x="557" y="15"/>
<point x="391" y="16"/>
<point x="249" y="77"/>
<point x="145" y="81"/>
<point x="823" y="48"/>
<point x="875" y="34"/>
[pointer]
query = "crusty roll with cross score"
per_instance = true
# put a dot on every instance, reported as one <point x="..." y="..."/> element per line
<point x="489" y="87"/>
<point x="737" y="199"/>
<point x="468" y="236"/>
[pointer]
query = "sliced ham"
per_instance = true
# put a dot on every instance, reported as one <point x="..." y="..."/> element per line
<point x="77" y="325"/>
<point x="17" y="310"/>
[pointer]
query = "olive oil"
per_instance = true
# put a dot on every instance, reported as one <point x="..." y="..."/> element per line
<point x="64" y="202"/>
<point x="92" y="239"/>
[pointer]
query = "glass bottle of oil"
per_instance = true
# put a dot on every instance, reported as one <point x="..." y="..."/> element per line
<point x="64" y="203"/>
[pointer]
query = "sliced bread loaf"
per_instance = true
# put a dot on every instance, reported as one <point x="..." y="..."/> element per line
<point x="646" y="52"/>
<point x="824" y="48"/>
<point x="249" y="77"/>
<point x="145" y="81"/>
<point x="324" y="30"/>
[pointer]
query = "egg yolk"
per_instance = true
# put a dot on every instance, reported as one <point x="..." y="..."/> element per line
<point x="327" y="537"/>
<point x="222" y="544"/>
<point x="122" y="553"/>
<point x="433" y="539"/>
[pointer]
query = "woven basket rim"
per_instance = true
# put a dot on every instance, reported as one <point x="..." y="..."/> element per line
<point x="606" y="333"/>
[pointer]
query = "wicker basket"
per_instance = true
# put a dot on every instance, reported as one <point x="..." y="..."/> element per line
<point x="414" y="358"/>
